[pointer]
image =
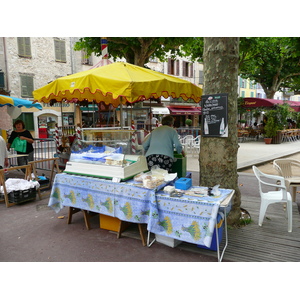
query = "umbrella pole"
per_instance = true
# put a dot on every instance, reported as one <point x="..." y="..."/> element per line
<point x="121" y="116"/>
<point x="121" y="113"/>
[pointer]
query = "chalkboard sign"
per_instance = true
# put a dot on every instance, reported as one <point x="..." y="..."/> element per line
<point x="214" y="115"/>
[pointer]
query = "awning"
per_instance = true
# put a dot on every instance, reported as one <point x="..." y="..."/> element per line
<point x="262" y="102"/>
<point x="160" y="110"/>
<point x="184" y="110"/>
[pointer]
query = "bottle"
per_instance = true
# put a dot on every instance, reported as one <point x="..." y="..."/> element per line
<point x="206" y="131"/>
<point x="222" y="127"/>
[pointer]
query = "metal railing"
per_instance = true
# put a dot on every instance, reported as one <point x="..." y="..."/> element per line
<point x="194" y="131"/>
<point x="43" y="149"/>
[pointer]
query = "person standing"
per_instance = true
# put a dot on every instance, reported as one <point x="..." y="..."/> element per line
<point x="3" y="154"/>
<point x="151" y="122"/>
<point x="23" y="134"/>
<point x="160" y="143"/>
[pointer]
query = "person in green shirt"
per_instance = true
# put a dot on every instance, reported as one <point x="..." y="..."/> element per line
<point x="160" y="144"/>
<point x="21" y="132"/>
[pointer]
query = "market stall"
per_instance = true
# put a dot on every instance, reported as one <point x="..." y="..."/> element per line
<point x="108" y="163"/>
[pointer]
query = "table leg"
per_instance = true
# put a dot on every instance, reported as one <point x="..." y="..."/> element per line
<point x="124" y="225"/>
<point x="142" y="234"/>
<point x="73" y="210"/>
<point x="220" y="257"/>
<point x="149" y="244"/>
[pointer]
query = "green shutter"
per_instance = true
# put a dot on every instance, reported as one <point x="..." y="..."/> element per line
<point x="26" y="86"/>
<point x="2" y="85"/>
<point x="27" y="118"/>
<point x="60" y="50"/>
<point x="24" y="48"/>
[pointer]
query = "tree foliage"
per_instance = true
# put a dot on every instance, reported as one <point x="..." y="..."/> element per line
<point x="136" y="50"/>
<point x="271" y="61"/>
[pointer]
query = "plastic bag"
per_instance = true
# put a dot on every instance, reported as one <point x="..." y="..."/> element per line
<point x="19" y="145"/>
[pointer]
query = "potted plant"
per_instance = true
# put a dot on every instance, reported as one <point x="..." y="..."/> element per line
<point x="188" y="122"/>
<point x="271" y="127"/>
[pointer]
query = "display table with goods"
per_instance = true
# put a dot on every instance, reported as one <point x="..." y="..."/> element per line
<point x="128" y="201"/>
<point x="104" y="176"/>
<point x="192" y="214"/>
<point x="188" y="216"/>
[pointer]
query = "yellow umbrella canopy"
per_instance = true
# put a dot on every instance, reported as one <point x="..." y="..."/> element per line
<point x="117" y="84"/>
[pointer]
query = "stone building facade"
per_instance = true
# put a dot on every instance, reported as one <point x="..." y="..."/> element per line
<point x="27" y="64"/>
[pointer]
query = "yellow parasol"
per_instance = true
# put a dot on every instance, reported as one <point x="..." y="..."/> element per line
<point x="116" y="84"/>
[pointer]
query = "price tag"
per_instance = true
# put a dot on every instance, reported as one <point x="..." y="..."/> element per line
<point x="116" y="179"/>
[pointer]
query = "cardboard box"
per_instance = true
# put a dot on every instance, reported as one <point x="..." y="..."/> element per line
<point x="112" y="223"/>
<point x="167" y="241"/>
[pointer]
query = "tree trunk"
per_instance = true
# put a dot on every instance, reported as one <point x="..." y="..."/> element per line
<point x="218" y="156"/>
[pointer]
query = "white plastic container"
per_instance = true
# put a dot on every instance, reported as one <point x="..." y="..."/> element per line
<point x="167" y="240"/>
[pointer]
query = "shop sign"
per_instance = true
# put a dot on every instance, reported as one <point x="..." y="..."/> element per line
<point x="57" y="104"/>
<point x="214" y="115"/>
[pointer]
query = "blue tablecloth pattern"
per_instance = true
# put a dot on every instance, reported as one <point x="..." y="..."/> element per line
<point x="127" y="201"/>
<point x="187" y="218"/>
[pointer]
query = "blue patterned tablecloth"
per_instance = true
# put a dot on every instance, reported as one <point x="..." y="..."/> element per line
<point x="188" y="218"/>
<point x="128" y="201"/>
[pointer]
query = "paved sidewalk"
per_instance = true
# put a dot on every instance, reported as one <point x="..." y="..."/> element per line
<point x="252" y="153"/>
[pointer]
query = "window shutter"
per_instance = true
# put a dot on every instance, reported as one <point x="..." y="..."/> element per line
<point x="169" y="66"/>
<point x="177" y="67"/>
<point x="183" y="68"/>
<point x="28" y="119"/>
<point x="201" y="79"/>
<point x="2" y="85"/>
<point x="191" y="70"/>
<point x="60" y="50"/>
<point x="24" y="48"/>
<point x="26" y="86"/>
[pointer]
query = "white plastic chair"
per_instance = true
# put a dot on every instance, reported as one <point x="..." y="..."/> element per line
<point x="187" y="143"/>
<point x="280" y="196"/>
<point x="287" y="168"/>
<point x="196" y="145"/>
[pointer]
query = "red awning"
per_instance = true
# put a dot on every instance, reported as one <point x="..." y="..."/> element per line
<point x="184" y="110"/>
<point x="262" y="102"/>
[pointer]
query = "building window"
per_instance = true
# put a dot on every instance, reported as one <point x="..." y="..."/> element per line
<point x="187" y="69"/>
<point x="201" y="78"/>
<point x="85" y="59"/>
<point x="60" y="50"/>
<point x="26" y="85"/>
<point x="243" y="83"/>
<point x="177" y="68"/>
<point x="24" y="48"/>
<point x="171" y="66"/>
<point x="2" y="83"/>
